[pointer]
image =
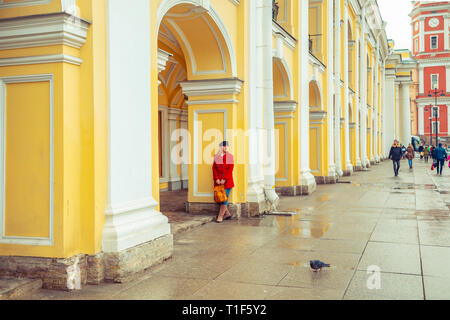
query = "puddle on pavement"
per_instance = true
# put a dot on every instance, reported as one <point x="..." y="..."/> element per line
<point x="304" y="228"/>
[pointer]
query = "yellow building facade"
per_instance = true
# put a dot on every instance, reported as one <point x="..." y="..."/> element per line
<point x="105" y="104"/>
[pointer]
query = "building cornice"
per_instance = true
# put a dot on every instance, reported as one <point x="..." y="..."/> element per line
<point x="230" y="86"/>
<point x="317" y="115"/>
<point x="53" y="58"/>
<point x="285" y="106"/>
<point x="43" y="30"/>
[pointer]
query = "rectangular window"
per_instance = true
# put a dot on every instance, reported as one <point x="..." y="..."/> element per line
<point x="434" y="42"/>
<point x="417" y="45"/>
<point x="435" y="127"/>
<point x="435" y="81"/>
<point x="435" y="112"/>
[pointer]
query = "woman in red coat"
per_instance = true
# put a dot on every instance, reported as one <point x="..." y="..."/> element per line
<point x="223" y="175"/>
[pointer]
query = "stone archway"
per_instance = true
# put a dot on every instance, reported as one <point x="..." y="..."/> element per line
<point x="199" y="86"/>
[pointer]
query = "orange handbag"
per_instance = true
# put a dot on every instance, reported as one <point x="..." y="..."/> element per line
<point x="220" y="196"/>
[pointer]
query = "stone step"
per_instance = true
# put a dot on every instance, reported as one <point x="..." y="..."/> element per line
<point x="15" y="288"/>
<point x="182" y="222"/>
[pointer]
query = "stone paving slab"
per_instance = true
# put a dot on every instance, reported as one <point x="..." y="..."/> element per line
<point x="399" y="225"/>
<point x="14" y="288"/>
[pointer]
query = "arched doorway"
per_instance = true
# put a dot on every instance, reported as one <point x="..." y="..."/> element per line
<point x="284" y="108"/>
<point x="198" y="65"/>
<point x="316" y="129"/>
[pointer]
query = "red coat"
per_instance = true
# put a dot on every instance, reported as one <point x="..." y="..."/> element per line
<point x="223" y="169"/>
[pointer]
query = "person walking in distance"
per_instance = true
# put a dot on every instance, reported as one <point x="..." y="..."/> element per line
<point x="426" y="153"/>
<point x="396" y="155"/>
<point x="410" y="155"/>
<point x="440" y="157"/>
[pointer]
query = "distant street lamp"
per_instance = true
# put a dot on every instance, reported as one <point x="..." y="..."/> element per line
<point x="435" y="93"/>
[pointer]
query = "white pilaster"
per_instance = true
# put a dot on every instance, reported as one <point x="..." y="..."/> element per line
<point x="358" y="96"/>
<point x="422" y="35"/>
<point x="364" y="147"/>
<point x="389" y="113"/>
<point x="269" y="121"/>
<point x="397" y="112"/>
<point x="184" y="132"/>
<point x="255" y="190"/>
<point x="348" y="162"/>
<point x="405" y="114"/>
<point x="421" y="119"/>
<point x="337" y="86"/>
<point x="131" y="218"/>
<point x="446" y="32"/>
<point x="173" y="115"/>
<point x="330" y="96"/>
<point x="306" y="178"/>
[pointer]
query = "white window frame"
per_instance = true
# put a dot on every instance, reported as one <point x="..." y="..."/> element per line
<point x="431" y="80"/>
<point x="433" y="123"/>
<point x="431" y="42"/>
<point x="432" y="112"/>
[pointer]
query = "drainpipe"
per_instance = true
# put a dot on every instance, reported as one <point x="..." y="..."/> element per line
<point x="269" y="122"/>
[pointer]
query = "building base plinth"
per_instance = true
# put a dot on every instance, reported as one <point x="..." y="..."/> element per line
<point x="326" y="179"/>
<point x="56" y="274"/>
<point x="125" y="265"/>
<point x="348" y="173"/>
<point x="357" y="168"/>
<point x="254" y="209"/>
<point x="175" y="185"/>
<point x="74" y="272"/>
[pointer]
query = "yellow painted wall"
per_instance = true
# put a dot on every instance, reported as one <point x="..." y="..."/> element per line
<point x="27" y="167"/>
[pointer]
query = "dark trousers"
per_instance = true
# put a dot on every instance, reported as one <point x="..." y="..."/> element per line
<point x="396" y="166"/>
<point x="440" y="165"/>
<point x="426" y="159"/>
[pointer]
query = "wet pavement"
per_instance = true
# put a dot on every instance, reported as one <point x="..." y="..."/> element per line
<point x="385" y="238"/>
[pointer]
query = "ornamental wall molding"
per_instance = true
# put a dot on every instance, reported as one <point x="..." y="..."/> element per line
<point x="285" y="106"/>
<point x="163" y="57"/>
<point x="194" y="88"/>
<point x="317" y="115"/>
<point x="53" y="58"/>
<point x="43" y="30"/>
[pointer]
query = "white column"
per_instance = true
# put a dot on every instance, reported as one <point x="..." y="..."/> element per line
<point x="422" y="35"/>
<point x="131" y="218"/>
<point x="330" y="97"/>
<point x="306" y="178"/>
<point x="255" y="190"/>
<point x="348" y="161"/>
<point x="363" y="108"/>
<point x="389" y="113"/>
<point x="397" y="112"/>
<point x="174" y="177"/>
<point x="358" y="95"/>
<point x="184" y="131"/>
<point x="421" y="119"/>
<point x="446" y="35"/>
<point x="337" y="86"/>
<point x="376" y="105"/>
<point x="374" y="111"/>
<point x="405" y="112"/>
<point x="269" y="121"/>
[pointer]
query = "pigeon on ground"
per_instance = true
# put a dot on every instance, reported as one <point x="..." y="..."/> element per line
<point x="317" y="265"/>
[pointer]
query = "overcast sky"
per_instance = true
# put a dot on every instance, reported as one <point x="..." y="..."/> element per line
<point x="395" y="13"/>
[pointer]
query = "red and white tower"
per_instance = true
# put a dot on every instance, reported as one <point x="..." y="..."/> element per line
<point x="431" y="48"/>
